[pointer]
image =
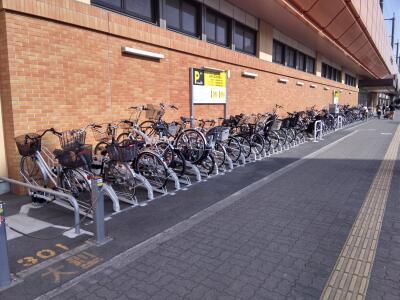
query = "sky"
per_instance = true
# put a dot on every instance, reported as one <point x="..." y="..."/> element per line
<point x="390" y="7"/>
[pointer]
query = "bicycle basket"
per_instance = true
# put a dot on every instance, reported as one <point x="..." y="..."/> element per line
<point x="124" y="152"/>
<point x="219" y="133"/>
<point x="75" y="159"/>
<point x="153" y="113"/>
<point x="172" y="128"/>
<point x="72" y="139"/>
<point x="28" y="146"/>
<point x="276" y="125"/>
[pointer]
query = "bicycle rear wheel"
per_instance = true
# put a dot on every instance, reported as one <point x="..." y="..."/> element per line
<point x="119" y="176"/>
<point x="233" y="148"/>
<point x="219" y="154"/>
<point x="151" y="166"/>
<point x="75" y="182"/>
<point x="245" y="145"/>
<point x="192" y="144"/>
<point x="273" y="139"/>
<point x="257" y="142"/>
<point x="208" y="164"/>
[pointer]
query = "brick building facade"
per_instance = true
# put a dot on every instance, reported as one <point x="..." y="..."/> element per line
<point x="61" y="66"/>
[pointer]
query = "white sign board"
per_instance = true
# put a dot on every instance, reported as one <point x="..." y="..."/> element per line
<point x="209" y="87"/>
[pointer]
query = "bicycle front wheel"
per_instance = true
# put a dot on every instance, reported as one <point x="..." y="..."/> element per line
<point x="31" y="171"/>
<point x="151" y="166"/>
<point x="192" y="144"/>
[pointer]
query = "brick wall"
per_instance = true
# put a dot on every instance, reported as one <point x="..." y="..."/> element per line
<point x="62" y="67"/>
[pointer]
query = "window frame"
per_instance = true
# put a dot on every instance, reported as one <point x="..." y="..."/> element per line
<point x="331" y="73"/>
<point x="154" y="19"/>
<point x="310" y="58"/>
<point x="199" y="14"/>
<point x="288" y="51"/>
<point x="306" y="59"/>
<point x="218" y="15"/>
<point x="245" y="29"/>
<point x="350" y="80"/>
<point x="283" y="52"/>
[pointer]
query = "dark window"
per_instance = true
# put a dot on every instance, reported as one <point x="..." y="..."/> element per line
<point x="323" y="70"/>
<point x="182" y="16"/>
<point x="173" y="14"/>
<point x="217" y="28"/>
<point x="310" y="65"/>
<point x="245" y="39"/>
<point x="141" y="9"/>
<point x="331" y="73"/>
<point x="290" y="59"/>
<point x="301" y="62"/>
<point x="350" y="80"/>
<point x="285" y="55"/>
<point x="278" y="54"/>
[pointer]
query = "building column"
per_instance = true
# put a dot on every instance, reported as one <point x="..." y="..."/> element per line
<point x="265" y="41"/>
<point x="318" y="64"/>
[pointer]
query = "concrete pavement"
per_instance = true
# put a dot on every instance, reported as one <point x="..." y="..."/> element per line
<point x="280" y="237"/>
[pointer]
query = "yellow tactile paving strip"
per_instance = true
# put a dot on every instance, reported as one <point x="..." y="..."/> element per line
<point x="350" y="276"/>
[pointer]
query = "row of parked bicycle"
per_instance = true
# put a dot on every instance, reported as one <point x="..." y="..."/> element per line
<point x="131" y="155"/>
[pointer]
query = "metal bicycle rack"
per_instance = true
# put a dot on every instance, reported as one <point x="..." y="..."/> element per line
<point x="59" y="196"/>
<point x="194" y="170"/>
<point x="146" y="184"/>
<point x="317" y="129"/>
<point x="50" y="160"/>
<point x="339" y="122"/>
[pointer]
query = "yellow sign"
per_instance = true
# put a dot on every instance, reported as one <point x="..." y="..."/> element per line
<point x="209" y="87"/>
<point x="336" y="95"/>
<point x="215" y="79"/>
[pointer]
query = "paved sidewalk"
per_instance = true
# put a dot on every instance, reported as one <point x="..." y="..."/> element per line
<point x="271" y="230"/>
<point x="279" y="241"/>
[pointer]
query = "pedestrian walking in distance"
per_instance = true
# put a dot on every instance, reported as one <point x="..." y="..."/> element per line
<point x="378" y="111"/>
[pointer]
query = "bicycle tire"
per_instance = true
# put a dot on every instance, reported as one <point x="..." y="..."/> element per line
<point x="245" y="145"/>
<point x="76" y="183"/>
<point x="31" y="171"/>
<point x="192" y="144"/>
<point x="257" y="142"/>
<point x="208" y="163"/>
<point x="153" y="168"/>
<point x="100" y="149"/>
<point x="233" y="148"/>
<point x="119" y="176"/>
<point x="219" y="154"/>
<point x="147" y="127"/>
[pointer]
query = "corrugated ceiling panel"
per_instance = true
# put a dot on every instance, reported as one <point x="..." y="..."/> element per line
<point x="303" y="4"/>
<point x="342" y="23"/>
<point x="324" y="11"/>
<point x="353" y="33"/>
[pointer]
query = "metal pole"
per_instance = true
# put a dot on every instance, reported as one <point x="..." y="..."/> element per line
<point x="5" y="277"/>
<point x="392" y="36"/>
<point x="393" y="22"/>
<point x="98" y="205"/>
<point x="191" y="100"/>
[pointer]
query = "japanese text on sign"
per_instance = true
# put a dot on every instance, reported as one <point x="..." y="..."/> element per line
<point x="209" y="87"/>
